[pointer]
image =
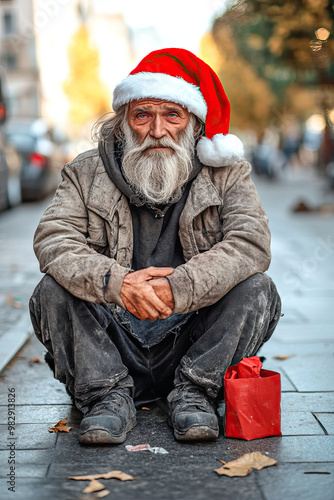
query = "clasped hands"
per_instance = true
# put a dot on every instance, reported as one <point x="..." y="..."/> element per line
<point x="147" y="293"/>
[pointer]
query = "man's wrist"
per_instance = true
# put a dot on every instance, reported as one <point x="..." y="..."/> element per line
<point x="181" y="286"/>
<point x="112" y="292"/>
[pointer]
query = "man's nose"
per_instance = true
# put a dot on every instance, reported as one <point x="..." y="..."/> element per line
<point x="157" y="128"/>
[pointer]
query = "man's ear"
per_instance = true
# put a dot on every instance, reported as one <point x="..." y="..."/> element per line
<point x="198" y="128"/>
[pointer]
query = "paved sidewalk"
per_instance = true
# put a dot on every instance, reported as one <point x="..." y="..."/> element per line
<point x="303" y="269"/>
<point x="19" y="272"/>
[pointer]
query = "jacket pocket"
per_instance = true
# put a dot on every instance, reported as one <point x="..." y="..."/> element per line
<point x="207" y="229"/>
<point x="207" y="239"/>
<point x="97" y="237"/>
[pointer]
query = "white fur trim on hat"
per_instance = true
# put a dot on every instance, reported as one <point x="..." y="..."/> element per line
<point x="221" y="151"/>
<point x="160" y="86"/>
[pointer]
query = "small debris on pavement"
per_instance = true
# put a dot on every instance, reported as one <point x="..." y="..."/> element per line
<point x="36" y="359"/>
<point x="303" y="206"/>
<point x="147" y="447"/>
<point x="243" y="465"/>
<point x="316" y="472"/>
<point x="60" y="426"/>
<point x="282" y="357"/>
<point x="15" y="302"/>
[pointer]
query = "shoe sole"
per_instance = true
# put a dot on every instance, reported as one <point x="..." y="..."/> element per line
<point x="102" y="436"/>
<point x="195" y="433"/>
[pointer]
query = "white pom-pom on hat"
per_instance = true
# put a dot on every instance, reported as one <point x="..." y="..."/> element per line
<point x="220" y="151"/>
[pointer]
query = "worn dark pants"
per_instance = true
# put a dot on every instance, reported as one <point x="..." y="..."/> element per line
<point x="92" y="353"/>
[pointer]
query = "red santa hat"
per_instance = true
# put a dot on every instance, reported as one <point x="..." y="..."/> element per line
<point x="179" y="76"/>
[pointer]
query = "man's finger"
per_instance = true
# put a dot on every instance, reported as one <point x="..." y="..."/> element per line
<point x="145" y="300"/>
<point x="159" y="272"/>
<point x="130" y="307"/>
<point x="147" y="274"/>
<point x="144" y="311"/>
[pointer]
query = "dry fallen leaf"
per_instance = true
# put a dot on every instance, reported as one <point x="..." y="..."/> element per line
<point x="243" y="465"/>
<point x="255" y="460"/>
<point x="114" y="474"/>
<point x="14" y="302"/>
<point x="103" y="493"/>
<point x="282" y="357"/>
<point x="36" y="359"/>
<point x="60" y="426"/>
<point x="94" y="485"/>
<point x="233" y="471"/>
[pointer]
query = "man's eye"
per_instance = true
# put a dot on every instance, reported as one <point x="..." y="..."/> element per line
<point x="172" y="115"/>
<point x="142" y="115"/>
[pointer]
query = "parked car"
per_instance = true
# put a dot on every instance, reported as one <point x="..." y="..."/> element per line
<point x="42" y="156"/>
<point x="10" y="175"/>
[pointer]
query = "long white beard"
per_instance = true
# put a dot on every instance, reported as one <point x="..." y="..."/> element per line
<point x="158" y="175"/>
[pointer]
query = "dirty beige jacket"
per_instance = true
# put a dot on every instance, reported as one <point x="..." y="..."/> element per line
<point x="86" y="232"/>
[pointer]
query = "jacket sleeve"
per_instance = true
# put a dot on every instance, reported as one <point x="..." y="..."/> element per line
<point x="244" y="250"/>
<point x="60" y="244"/>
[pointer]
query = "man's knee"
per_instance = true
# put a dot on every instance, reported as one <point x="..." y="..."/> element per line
<point x="260" y="296"/>
<point x="257" y="291"/>
<point x="48" y="291"/>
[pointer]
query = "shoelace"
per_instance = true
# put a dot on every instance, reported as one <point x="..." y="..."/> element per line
<point x="190" y="396"/>
<point x="111" y="400"/>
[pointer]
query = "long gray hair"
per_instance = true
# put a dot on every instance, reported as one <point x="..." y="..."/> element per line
<point x="109" y="123"/>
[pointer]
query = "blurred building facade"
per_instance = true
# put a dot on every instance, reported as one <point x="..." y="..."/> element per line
<point x="18" y="61"/>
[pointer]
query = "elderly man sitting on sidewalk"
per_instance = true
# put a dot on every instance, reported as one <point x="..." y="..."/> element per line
<point x="154" y="249"/>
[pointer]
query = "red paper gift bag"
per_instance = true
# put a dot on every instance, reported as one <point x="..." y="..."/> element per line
<point x="252" y="400"/>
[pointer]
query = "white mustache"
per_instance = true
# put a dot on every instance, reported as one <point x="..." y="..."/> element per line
<point x="150" y="142"/>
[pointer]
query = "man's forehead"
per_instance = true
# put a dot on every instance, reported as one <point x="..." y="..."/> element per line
<point x="153" y="102"/>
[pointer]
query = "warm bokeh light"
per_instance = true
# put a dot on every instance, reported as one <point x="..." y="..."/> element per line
<point x="316" y="45"/>
<point x="316" y="123"/>
<point x="330" y="115"/>
<point x="322" y="34"/>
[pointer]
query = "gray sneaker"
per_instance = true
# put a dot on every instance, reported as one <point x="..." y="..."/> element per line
<point x="192" y="414"/>
<point x="109" y="420"/>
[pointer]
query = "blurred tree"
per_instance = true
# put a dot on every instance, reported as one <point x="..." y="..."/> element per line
<point x="250" y="96"/>
<point x="288" y="45"/>
<point x="88" y="97"/>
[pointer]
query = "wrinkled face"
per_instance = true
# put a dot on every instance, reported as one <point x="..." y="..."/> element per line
<point x="157" y="118"/>
<point x="159" y="146"/>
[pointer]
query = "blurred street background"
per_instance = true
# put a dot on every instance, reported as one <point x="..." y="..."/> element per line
<point x="59" y="63"/>
<point x="61" y="59"/>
